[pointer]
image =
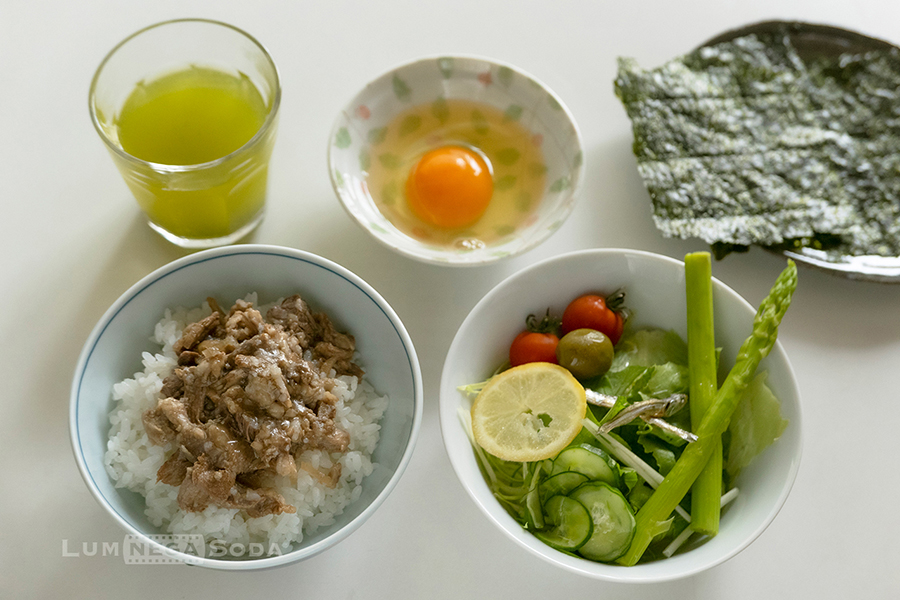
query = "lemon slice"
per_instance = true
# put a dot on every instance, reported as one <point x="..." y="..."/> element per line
<point x="530" y="412"/>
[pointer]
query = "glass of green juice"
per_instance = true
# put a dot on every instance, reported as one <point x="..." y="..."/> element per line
<point x="188" y="109"/>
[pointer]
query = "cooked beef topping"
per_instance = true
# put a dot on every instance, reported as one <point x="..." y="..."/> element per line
<point x="248" y="396"/>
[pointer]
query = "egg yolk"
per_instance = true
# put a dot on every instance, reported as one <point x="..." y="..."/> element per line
<point x="449" y="187"/>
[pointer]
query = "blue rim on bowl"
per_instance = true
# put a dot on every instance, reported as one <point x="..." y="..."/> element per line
<point x="91" y="398"/>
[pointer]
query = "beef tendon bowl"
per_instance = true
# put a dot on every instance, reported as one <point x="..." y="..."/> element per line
<point x="247" y="425"/>
<point x="245" y="407"/>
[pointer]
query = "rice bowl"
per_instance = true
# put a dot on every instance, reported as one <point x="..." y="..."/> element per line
<point x="116" y="355"/>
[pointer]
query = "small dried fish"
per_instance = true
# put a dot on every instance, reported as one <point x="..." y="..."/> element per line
<point x="651" y="411"/>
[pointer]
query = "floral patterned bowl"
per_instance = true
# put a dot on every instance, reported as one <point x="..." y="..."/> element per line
<point x="362" y="126"/>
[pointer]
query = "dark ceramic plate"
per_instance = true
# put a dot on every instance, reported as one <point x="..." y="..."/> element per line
<point x="824" y="41"/>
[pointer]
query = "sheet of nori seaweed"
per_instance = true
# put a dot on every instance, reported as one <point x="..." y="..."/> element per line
<point x="743" y="143"/>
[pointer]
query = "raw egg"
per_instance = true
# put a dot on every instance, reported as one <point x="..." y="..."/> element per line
<point x="455" y="173"/>
<point x="450" y="187"/>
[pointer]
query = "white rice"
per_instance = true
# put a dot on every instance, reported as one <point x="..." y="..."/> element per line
<point x="132" y="460"/>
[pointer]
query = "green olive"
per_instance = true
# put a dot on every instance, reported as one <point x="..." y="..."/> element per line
<point x="586" y="353"/>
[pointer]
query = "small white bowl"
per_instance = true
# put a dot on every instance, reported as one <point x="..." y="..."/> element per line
<point x="113" y="352"/>
<point x="655" y="294"/>
<point x="496" y="84"/>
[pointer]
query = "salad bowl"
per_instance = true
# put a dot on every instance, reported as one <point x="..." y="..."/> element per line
<point x="655" y="296"/>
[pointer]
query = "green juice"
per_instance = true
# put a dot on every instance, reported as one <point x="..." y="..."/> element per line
<point x="190" y="117"/>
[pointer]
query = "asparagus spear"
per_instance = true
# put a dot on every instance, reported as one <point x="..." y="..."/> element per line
<point x="676" y="484"/>
<point x="706" y="492"/>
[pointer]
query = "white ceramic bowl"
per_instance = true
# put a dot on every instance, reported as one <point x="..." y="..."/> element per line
<point x="113" y="352"/>
<point x="350" y="149"/>
<point x="655" y="293"/>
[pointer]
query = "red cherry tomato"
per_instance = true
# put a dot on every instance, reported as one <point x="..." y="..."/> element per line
<point x="530" y="346"/>
<point x="537" y="343"/>
<point x="596" y="312"/>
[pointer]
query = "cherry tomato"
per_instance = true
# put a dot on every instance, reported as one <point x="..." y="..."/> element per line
<point x="531" y="346"/>
<point x="537" y="343"/>
<point x="596" y="312"/>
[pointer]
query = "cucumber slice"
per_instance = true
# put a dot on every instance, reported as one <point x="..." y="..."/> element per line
<point x="612" y="518"/>
<point x="568" y="524"/>
<point x="562" y="483"/>
<point x="592" y="462"/>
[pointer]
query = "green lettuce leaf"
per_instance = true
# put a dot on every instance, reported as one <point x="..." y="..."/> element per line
<point x="630" y="478"/>
<point x="649" y="347"/>
<point x="669" y="378"/>
<point x="661" y="452"/>
<point x="626" y="381"/>
<point x="756" y="424"/>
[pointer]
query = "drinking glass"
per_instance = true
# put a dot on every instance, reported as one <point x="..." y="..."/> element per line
<point x="214" y="202"/>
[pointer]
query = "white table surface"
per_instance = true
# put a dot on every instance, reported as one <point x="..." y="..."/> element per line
<point x="74" y="240"/>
